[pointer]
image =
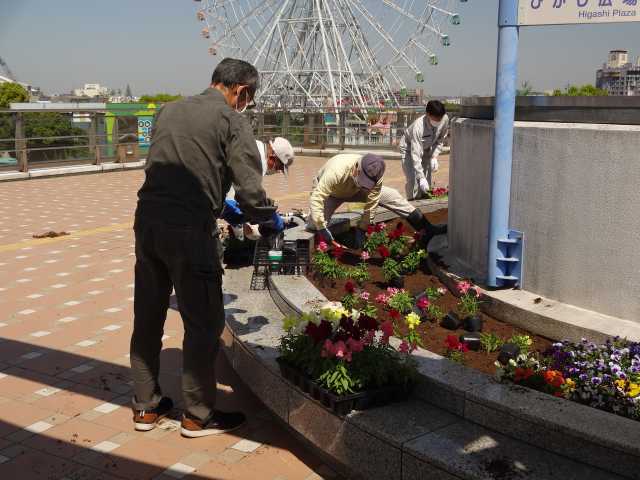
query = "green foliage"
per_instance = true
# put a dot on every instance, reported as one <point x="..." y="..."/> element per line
<point x="435" y="313"/>
<point x="525" y="90"/>
<point x="401" y="301"/>
<point x="398" y="246"/>
<point x="432" y="294"/>
<point x="359" y="273"/>
<point x="455" y="356"/>
<point x="160" y="98"/>
<point x="411" y="261"/>
<point x="523" y="341"/>
<point x="391" y="269"/>
<point x="338" y="380"/>
<point x="327" y="266"/>
<point x="469" y="304"/>
<point x="580" y="91"/>
<point x="349" y="301"/>
<point x="302" y="352"/>
<point x="12" y="93"/>
<point x="374" y="240"/>
<point x="490" y="342"/>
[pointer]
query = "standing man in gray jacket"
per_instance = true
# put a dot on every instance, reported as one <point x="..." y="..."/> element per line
<point x="420" y="146"/>
<point x="200" y="146"/>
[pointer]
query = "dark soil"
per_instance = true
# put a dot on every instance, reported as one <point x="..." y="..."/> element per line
<point x="433" y="336"/>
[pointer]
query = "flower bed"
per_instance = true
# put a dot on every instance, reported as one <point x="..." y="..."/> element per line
<point x="342" y="356"/>
<point x="424" y="313"/>
<point x="601" y="376"/>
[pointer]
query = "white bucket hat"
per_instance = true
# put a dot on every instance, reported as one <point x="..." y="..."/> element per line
<point x="284" y="151"/>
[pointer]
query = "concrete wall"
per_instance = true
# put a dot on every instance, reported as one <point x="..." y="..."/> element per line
<point x="575" y="192"/>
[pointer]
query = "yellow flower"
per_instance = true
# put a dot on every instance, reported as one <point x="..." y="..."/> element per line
<point x="634" y="390"/>
<point x="621" y="384"/>
<point x="570" y="384"/>
<point x="413" y="320"/>
<point x="290" y="322"/>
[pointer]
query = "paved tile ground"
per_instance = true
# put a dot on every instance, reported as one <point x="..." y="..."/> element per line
<point x="65" y="321"/>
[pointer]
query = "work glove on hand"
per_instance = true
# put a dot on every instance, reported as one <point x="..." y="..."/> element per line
<point x="424" y="185"/>
<point x="231" y="212"/>
<point x="434" y="164"/>
<point x="273" y="226"/>
<point x="359" y="238"/>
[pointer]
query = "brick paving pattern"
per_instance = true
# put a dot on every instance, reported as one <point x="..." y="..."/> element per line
<point x="65" y="322"/>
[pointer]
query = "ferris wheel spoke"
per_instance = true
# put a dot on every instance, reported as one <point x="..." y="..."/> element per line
<point x="259" y="9"/>
<point x="380" y="30"/>
<point x="412" y="17"/>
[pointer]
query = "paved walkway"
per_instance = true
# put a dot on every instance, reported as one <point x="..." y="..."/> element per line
<point x="65" y="321"/>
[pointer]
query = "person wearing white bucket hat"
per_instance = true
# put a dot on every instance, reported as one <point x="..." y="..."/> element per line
<point x="277" y="155"/>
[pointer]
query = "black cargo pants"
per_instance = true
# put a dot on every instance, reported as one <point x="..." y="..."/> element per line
<point x="187" y="258"/>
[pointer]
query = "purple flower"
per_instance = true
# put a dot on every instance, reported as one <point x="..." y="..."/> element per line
<point x="583" y="377"/>
<point x="596" y="380"/>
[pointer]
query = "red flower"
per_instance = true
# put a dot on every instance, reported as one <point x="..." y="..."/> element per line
<point x="395" y="314"/>
<point x="370" y="229"/>
<point x="404" y="347"/>
<point x="338" y="251"/>
<point x="553" y="378"/>
<point x="423" y="303"/>
<point x="349" y="287"/>
<point x="522" y="374"/>
<point x="395" y="234"/>
<point x="400" y="228"/>
<point x="387" y="328"/>
<point x="380" y="227"/>
<point x="319" y="333"/>
<point x="383" y="251"/>
<point x="452" y="342"/>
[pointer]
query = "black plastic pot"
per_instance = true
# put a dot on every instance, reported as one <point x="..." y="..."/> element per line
<point x="509" y="351"/>
<point x="451" y="321"/>
<point x="473" y="324"/>
<point x="472" y="340"/>
<point x="397" y="282"/>
<point x="342" y="404"/>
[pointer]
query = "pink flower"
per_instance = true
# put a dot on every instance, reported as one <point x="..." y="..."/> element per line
<point x="380" y="226"/>
<point x="365" y="296"/>
<point x="464" y="287"/>
<point x="340" y="349"/>
<point x="404" y="347"/>
<point x="442" y="290"/>
<point x="327" y="349"/>
<point x="475" y="291"/>
<point x="423" y="303"/>
<point x="355" y="345"/>
<point x="382" y="298"/>
<point x="322" y="246"/>
<point x="392" y="291"/>
<point x="364" y="255"/>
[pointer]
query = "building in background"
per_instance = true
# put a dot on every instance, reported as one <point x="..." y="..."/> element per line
<point x="91" y="90"/>
<point x="619" y="76"/>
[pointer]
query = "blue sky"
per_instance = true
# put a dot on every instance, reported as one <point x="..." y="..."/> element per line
<point x="155" y="45"/>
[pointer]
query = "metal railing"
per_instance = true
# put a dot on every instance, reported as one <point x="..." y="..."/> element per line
<point x="94" y="136"/>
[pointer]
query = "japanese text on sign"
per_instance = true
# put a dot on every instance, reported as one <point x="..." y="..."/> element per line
<point x="557" y="12"/>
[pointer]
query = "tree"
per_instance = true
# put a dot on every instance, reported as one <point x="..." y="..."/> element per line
<point x="580" y="91"/>
<point x="12" y="93"/>
<point x="160" y="98"/>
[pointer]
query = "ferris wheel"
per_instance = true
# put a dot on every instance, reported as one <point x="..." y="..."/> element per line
<point x="330" y="53"/>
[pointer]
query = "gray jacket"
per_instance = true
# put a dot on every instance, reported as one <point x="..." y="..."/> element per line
<point x="423" y="142"/>
<point x="200" y="146"/>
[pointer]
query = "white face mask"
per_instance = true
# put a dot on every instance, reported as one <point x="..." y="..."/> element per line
<point x="435" y="124"/>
